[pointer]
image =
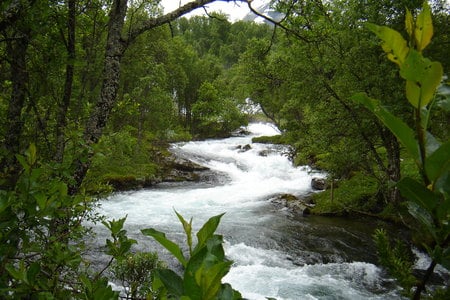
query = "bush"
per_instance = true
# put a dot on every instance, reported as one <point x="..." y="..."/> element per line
<point x="355" y="194"/>
<point x="135" y="273"/>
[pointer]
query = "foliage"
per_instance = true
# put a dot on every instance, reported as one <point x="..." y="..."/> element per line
<point x="428" y="200"/>
<point x="204" y="268"/>
<point x="42" y="237"/>
<point x="358" y="193"/>
<point x="214" y="115"/>
<point x="396" y="258"/>
<point x="135" y="274"/>
<point x="122" y="161"/>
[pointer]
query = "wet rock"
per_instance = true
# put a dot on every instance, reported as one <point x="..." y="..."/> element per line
<point x="292" y="204"/>
<point x="185" y="165"/>
<point x="241" y="132"/>
<point x="319" y="184"/>
<point x="177" y="169"/>
<point x="244" y="148"/>
<point x="265" y="152"/>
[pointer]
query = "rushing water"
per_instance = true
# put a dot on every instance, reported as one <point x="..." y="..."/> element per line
<point x="275" y="253"/>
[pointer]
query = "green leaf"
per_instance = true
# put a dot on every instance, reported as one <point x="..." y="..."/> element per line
<point x="431" y="144"/>
<point x="409" y="23"/>
<point x="23" y="162"/>
<point x="445" y="262"/>
<point x="443" y="101"/>
<point x="32" y="272"/>
<point x="404" y="134"/>
<point x="228" y="293"/>
<point x="443" y="212"/>
<point x="31" y="154"/>
<point x="431" y="82"/>
<point x="4" y="203"/>
<point x="41" y="200"/>
<point x="438" y="162"/>
<point x="422" y="216"/>
<point x="394" y="44"/>
<point x="442" y="185"/>
<point x="171" y="281"/>
<point x="187" y="229"/>
<point x="215" y="246"/>
<point x="424" y="27"/>
<point x="423" y="77"/>
<point x="211" y="279"/>
<point x="173" y="248"/>
<point x="418" y="193"/>
<point x="207" y="230"/>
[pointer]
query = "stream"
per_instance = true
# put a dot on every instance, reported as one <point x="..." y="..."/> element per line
<point x="276" y="253"/>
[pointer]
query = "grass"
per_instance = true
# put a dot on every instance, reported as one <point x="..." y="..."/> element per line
<point x="355" y="194"/>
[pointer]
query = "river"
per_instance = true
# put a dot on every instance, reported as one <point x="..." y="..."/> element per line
<point x="276" y="254"/>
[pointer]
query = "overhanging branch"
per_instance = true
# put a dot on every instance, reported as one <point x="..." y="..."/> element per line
<point x="167" y="18"/>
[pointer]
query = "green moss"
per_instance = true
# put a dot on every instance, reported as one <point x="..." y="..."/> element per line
<point x="354" y="194"/>
<point x="124" y="162"/>
<point x="276" y="139"/>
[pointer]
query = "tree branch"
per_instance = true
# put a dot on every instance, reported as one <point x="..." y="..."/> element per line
<point x="277" y="23"/>
<point x="167" y="18"/>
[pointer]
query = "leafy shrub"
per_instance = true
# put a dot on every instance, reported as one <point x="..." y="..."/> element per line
<point x="135" y="273"/>
<point x="203" y="269"/>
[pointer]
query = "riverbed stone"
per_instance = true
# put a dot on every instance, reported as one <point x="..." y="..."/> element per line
<point x="244" y="148"/>
<point x="292" y="203"/>
<point x="319" y="184"/>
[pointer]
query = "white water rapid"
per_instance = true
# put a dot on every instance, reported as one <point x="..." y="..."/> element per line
<point x="275" y="254"/>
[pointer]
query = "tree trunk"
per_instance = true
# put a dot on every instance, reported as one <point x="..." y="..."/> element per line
<point x="115" y="47"/>
<point x="17" y="49"/>
<point x="393" y="168"/>
<point x="61" y="120"/>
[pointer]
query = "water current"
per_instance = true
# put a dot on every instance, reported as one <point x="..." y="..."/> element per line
<point x="275" y="253"/>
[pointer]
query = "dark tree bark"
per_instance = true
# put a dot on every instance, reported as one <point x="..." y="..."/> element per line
<point x="61" y="120"/>
<point x="17" y="49"/>
<point x="393" y="159"/>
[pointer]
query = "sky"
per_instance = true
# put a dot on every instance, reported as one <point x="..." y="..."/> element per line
<point x="236" y="11"/>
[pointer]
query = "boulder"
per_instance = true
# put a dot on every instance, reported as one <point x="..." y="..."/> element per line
<point x="265" y="152"/>
<point x="185" y="165"/>
<point x="244" y="148"/>
<point x="292" y="203"/>
<point x="319" y="184"/>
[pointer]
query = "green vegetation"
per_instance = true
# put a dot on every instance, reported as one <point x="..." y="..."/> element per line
<point x="357" y="194"/>
<point x="135" y="273"/>
<point x="203" y="269"/>
<point x="427" y="199"/>
<point x="92" y="92"/>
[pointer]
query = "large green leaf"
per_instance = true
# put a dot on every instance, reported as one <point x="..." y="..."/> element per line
<point x="423" y="216"/>
<point x="403" y="133"/>
<point x="207" y="231"/>
<point x="210" y="279"/>
<point x="418" y="193"/>
<point x="190" y="285"/>
<point x="393" y="43"/>
<point x="160" y="237"/>
<point x="215" y="246"/>
<point x="172" y="282"/>
<point x="423" y="77"/>
<point x="442" y="185"/>
<point x="423" y="31"/>
<point x="438" y="162"/>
